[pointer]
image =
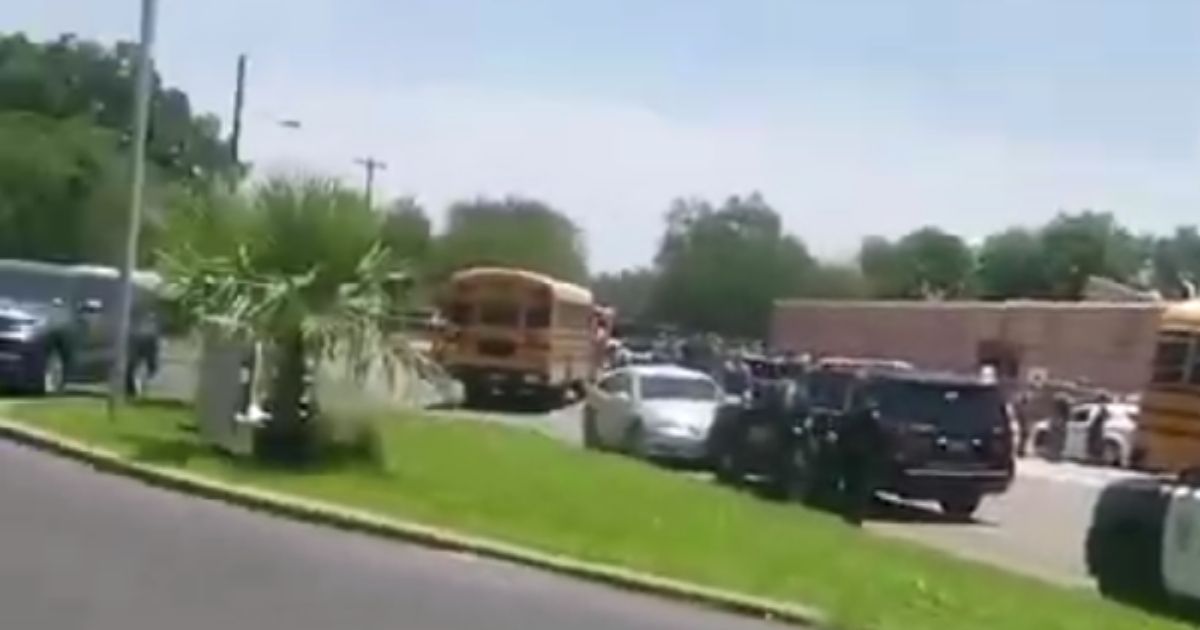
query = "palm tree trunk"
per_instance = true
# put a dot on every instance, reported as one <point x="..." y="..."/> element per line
<point x="288" y="436"/>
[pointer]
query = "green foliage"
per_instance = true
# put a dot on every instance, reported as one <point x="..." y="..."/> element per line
<point x="61" y="195"/>
<point x="926" y="263"/>
<point x="72" y="78"/>
<point x="1077" y="246"/>
<point x="1011" y="265"/>
<point x="511" y="232"/>
<point x="629" y="291"/>
<point x="65" y="112"/>
<point x="302" y="267"/>
<point x="1176" y="262"/>
<point x="407" y="232"/>
<point x="721" y="269"/>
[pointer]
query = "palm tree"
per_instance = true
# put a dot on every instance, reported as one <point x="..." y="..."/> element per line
<point x="297" y="264"/>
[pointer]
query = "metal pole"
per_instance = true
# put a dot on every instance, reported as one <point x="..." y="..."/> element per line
<point x="371" y="164"/>
<point x="141" y="100"/>
<point x="370" y="181"/>
<point x="239" y="100"/>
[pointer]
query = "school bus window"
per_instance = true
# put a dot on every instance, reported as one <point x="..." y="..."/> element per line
<point x="498" y="314"/>
<point x="537" y="317"/>
<point x="460" y="313"/>
<point x="1170" y="360"/>
<point x="1194" y="362"/>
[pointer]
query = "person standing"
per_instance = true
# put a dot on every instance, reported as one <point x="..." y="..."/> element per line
<point x="1057" y="439"/>
<point x="1095" y="432"/>
<point x="859" y="446"/>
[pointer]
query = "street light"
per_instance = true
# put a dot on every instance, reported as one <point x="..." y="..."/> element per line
<point x="141" y="103"/>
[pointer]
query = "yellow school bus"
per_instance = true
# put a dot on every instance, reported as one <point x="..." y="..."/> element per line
<point x="511" y="332"/>
<point x="1168" y="434"/>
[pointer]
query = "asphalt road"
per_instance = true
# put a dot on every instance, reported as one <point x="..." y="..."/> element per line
<point x="1037" y="527"/>
<point x="83" y="550"/>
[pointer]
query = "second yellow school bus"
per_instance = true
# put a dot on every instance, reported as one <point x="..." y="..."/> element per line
<point x="1168" y="435"/>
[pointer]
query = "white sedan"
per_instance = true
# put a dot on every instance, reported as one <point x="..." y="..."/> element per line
<point x="1118" y="434"/>
<point x="652" y="412"/>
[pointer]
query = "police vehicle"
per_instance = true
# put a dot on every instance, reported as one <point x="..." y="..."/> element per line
<point x="940" y="437"/>
<point x="1143" y="544"/>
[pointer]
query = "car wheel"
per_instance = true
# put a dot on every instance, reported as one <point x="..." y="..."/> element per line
<point x="725" y="467"/>
<point x="801" y="484"/>
<point x="634" y="442"/>
<point x="961" y="507"/>
<point x="50" y="376"/>
<point x="137" y="381"/>
<point x="591" y="438"/>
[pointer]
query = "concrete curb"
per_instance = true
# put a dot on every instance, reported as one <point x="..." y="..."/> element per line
<point x="365" y="522"/>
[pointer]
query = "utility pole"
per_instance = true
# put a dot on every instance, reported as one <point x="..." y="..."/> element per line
<point x="239" y="100"/>
<point x="141" y="116"/>
<point x="371" y="165"/>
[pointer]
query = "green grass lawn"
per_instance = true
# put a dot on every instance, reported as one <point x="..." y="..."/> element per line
<point x="521" y="487"/>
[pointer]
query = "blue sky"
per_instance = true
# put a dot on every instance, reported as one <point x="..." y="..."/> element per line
<point x="853" y="117"/>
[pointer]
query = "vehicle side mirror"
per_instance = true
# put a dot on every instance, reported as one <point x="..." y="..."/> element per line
<point x="91" y="306"/>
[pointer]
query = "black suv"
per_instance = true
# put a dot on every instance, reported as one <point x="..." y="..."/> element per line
<point x="58" y="324"/>
<point x="943" y="437"/>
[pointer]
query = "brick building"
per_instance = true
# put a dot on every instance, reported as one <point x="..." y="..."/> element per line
<point x="1109" y="344"/>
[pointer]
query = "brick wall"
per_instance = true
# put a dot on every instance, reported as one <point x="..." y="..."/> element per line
<point x="1109" y="344"/>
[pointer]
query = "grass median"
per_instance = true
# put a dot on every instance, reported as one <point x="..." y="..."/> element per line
<point x="521" y="487"/>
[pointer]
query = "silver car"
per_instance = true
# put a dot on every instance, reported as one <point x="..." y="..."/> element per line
<point x="653" y="412"/>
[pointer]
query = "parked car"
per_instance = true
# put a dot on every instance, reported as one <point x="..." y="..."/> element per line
<point x="58" y="324"/>
<point x="1118" y="441"/>
<point x="657" y="412"/>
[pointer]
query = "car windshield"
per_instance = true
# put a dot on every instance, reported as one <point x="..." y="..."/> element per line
<point x="943" y="405"/>
<point x="23" y="285"/>
<point x="677" y="387"/>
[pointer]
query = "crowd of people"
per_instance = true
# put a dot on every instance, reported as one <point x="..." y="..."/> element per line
<point x="738" y="365"/>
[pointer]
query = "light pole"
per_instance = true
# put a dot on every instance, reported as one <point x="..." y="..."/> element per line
<point x="141" y="103"/>
<point x="371" y="165"/>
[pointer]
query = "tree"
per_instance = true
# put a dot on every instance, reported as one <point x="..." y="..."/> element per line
<point x="925" y="263"/>
<point x="1078" y="246"/>
<point x="721" y="269"/>
<point x="305" y="271"/>
<point x="406" y="231"/>
<point x="71" y="78"/>
<point x="1012" y="265"/>
<point x="1176" y="262"/>
<point x="836" y="282"/>
<point x="511" y="232"/>
<point x="629" y="291"/>
<point x="62" y="190"/>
